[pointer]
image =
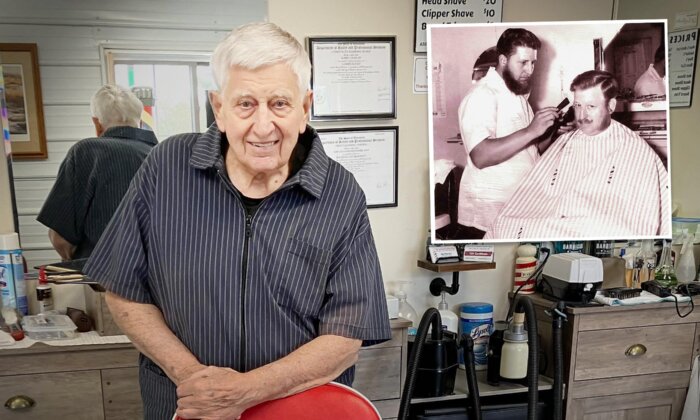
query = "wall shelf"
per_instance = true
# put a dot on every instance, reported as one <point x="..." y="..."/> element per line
<point x="457" y="266"/>
<point x="438" y="285"/>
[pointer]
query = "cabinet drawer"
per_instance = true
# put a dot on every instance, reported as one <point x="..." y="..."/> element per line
<point x="74" y="395"/>
<point x="122" y="394"/>
<point x="602" y="354"/>
<point x="378" y="373"/>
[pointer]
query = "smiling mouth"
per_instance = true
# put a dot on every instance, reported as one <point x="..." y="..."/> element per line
<point x="263" y="145"/>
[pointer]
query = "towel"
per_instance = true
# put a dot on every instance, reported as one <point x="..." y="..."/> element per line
<point x="691" y="409"/>
<point x="644" y="297"/>
<point x="442" y="168"/>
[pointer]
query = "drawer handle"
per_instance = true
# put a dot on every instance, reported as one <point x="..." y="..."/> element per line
<point x="635" y="350"/>
<point x="19" y="402"/>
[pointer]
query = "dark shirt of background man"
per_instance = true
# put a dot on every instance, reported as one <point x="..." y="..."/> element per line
<point x="91" y="182"/>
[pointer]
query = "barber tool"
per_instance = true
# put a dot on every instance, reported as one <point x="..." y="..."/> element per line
<point x="563" y="103"/>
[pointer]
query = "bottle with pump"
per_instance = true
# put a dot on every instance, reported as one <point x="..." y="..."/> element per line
<point x="406" y="311"/>
<point x="686" y="265"/>
<point x="644" y="263"/>
<point x="665" y="273"/>
<point x="514" y="353"/>
<point x="450" y="322"/>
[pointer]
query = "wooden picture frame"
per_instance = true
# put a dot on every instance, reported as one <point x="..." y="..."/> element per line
<point x="20" y="65"/>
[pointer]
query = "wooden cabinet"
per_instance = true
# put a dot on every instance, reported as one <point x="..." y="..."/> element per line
<point x="77" y="382"/>
<point x="628" y="362"/>
<point x="381" y="370"/>
<point x="95" y="382"/>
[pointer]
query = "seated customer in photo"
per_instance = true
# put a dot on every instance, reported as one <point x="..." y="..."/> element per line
<point x="96" y="173"/>
<point x="600" y="180"/>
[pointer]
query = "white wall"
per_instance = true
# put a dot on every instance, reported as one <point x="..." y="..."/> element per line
<point x="400" y="232"/>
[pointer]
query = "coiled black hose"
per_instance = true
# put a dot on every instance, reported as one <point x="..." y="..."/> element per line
<point x="524" y="303"/>
<point x="430" y="316"/>
<point x="558" y="355"/>
<point x="474" y="409"/>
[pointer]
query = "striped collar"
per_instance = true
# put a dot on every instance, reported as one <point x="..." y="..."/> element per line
<point x="206" y="153"/>
<point x="131" y="133"/>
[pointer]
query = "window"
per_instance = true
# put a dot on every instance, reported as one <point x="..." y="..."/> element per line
<point x="177" y="82"/>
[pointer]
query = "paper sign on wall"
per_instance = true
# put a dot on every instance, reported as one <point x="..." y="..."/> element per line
<point x="452" y="11"/>
<point x="682" y="49"/>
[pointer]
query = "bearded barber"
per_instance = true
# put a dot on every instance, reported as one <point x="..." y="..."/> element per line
<point x="500" y="133"/>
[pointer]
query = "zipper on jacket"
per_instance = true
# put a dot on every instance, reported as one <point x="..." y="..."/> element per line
<point x="244" y="283"/>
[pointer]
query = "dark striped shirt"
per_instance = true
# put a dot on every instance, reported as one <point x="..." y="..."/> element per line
<point x="91" y="182"/>
<point x="242" y="291"/>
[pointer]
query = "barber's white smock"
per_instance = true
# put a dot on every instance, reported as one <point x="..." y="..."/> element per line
<point x="611" y="185"/>
<point x="491" y="110"/>
<point x="650" y="83"/>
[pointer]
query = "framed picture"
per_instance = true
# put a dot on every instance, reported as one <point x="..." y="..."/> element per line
<point x="20" y="67"/>
<point x="353" y="78"/>
<point x="372" y="155"/>
<point x="480" y="194"/>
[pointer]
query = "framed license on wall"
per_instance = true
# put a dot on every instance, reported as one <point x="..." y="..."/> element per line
<point x="371" y="154"/>
<point x="353" y="78"/>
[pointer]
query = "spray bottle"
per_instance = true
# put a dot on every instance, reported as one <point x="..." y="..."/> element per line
<point x="12" y="286"/>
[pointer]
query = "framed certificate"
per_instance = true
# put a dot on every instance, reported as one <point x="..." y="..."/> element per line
<point x="353" y="78"/>
<point x="371" y="154"/>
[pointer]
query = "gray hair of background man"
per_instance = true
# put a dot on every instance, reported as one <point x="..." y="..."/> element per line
<point x="114" y="106"/>
<point x="256" y="45"/>
<point x="592" y="78"/>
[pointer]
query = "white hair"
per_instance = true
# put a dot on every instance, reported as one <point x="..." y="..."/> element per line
<point x="256" y="45"/>
<point x="114" y="105"/>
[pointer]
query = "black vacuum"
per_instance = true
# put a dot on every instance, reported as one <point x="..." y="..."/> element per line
<point x="474" y="409"/>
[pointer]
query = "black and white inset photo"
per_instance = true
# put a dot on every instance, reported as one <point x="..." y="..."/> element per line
<point x="549" y="131"/>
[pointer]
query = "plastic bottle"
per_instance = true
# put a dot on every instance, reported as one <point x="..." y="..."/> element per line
<point x="44" y="296"/>
<point x="406" y="311"/>
<point x="13" y="288"/>
<point x="686" y="264"/>
<point x="644" y="263"/>
<point x="514" y="353"/>
<point x="450" y="321"/>
<point x="665" y="273"/>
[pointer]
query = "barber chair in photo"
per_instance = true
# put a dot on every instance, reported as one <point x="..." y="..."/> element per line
<point x="446" y="198"/>
<point x="331" y="401"/>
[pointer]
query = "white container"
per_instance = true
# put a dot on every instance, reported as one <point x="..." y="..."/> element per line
<point x="49" y="327"/>
<point x="514" y="353"/>
<point x="476" y="319"/>
<point x="450" y="321"/>
<point x="514" y="359"/>
<point x="44" y="298"/>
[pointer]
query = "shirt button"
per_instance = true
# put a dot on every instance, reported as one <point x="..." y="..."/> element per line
<point x="563" y="217"/>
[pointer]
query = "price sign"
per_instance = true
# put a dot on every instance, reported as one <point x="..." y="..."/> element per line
<point x="452" y="11"/>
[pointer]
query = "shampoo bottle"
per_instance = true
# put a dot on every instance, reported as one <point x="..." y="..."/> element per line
<point x="450" y="321"/>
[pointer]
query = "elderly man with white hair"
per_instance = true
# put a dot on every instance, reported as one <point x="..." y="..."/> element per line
<point x="241" y="263"/>
<point x="96" y="173"/>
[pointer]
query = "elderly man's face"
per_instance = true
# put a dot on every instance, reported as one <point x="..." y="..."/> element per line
<point x="592" y="110"/>
<point x="262" y="113"/>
